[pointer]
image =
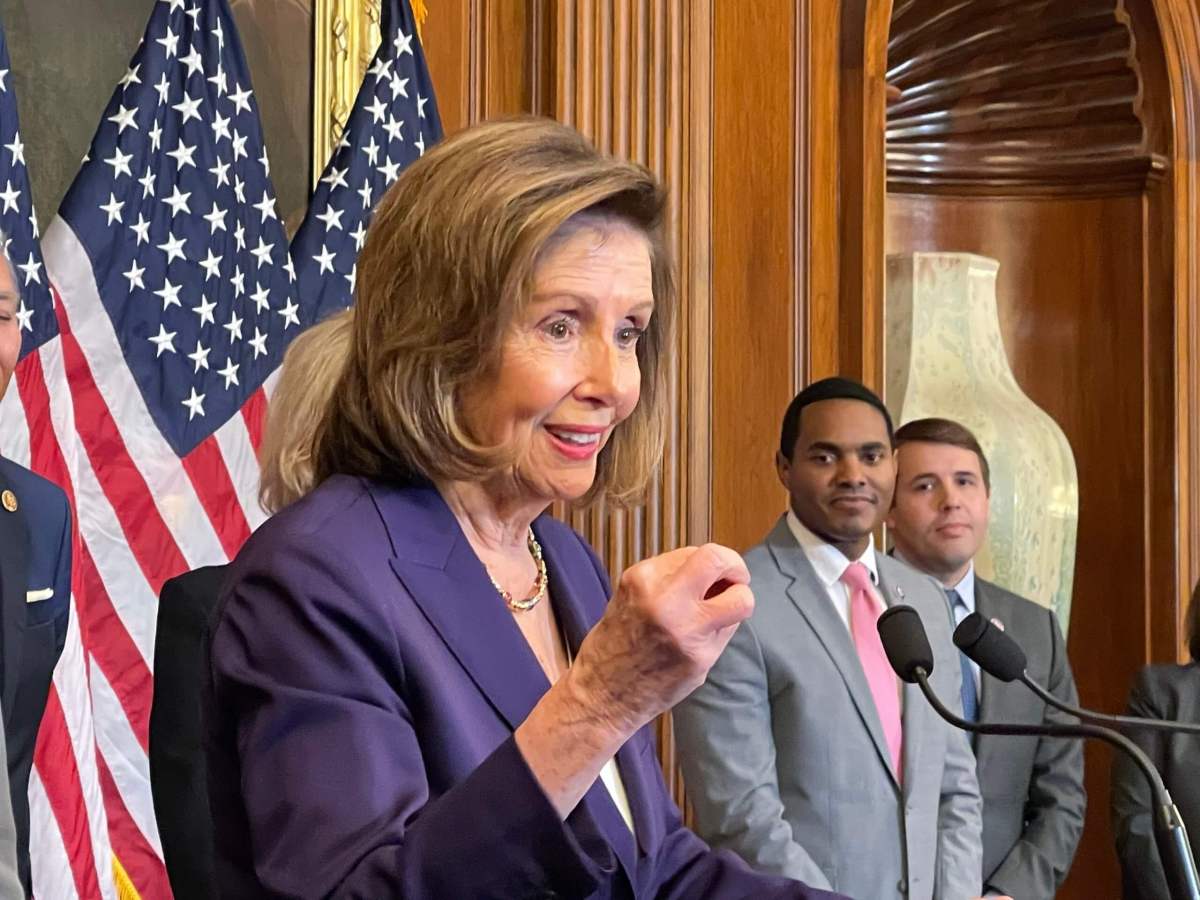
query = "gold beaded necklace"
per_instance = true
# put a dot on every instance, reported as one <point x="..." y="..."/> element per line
<point x="539" y="584"/>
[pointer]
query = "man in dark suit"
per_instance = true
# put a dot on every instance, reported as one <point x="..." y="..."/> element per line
<point x="35" y="591"/>
<point x="1033" y="795"/>
<point x="177" y="769"/>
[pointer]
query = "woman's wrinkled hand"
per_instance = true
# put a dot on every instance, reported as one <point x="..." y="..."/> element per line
<point x="667" y="623"/>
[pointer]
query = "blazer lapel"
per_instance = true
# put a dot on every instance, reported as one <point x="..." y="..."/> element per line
<point x="572" y="584"/>
<point x="445" y="578"/>
<point x="14" y="553"/>
<point x="914" y="708"/>
<point x="996" y="700"/>
<point x="810" y="598"/>
<point x="448" y="582"/>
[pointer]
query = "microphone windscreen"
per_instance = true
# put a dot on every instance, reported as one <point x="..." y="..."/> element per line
<point x="905" y="642"/>
<point x="993" y="650"/>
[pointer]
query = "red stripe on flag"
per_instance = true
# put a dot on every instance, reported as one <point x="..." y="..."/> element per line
<point x="137" y="857"/>
<point x="153" y="547"/>
<point x="110" y="645"/>
<point x="210" y="479"/>
<point x="45" y="455"/>
<point x="56" y="764"/>
<point x="254" y="413"/>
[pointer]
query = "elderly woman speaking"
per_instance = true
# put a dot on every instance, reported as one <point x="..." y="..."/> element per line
<point x="419" y="686"/>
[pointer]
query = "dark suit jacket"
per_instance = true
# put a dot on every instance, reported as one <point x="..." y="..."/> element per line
<point x="366" y="682"/>
<point x="1159" y="692"/>
<point x="35" y="591"/>
<point x="1033" y="795"/>
<point x="177" y="770"/>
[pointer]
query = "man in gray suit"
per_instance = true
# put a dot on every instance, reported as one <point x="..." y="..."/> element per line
<point x="1033" y="796"/>
<point x="802" y="752"/>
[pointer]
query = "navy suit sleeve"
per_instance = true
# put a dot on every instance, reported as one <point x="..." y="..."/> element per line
<point x="685" y="866"/>
<point x="62" y="581"/>
<point x="308" y="693"/>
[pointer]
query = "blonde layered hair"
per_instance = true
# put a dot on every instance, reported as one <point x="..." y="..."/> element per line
<point x="449" y="261"/>
<point x="311" y="368"/>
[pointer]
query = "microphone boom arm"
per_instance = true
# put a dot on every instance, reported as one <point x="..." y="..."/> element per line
<point x="1103" y="719"/>
<point x="1181" y="875"/>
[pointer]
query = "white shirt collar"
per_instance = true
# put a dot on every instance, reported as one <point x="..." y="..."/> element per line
<point x="827" y="560"/>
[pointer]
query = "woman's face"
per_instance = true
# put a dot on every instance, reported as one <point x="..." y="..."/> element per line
<point x="569" y="368"/>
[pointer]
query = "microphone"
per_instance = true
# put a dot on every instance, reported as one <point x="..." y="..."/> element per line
<point x="1002" y="657"/>
<point x="908" y="651"/>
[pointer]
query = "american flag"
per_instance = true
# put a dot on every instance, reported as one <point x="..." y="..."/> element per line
<point x="144" y="387"/>
<point x="393" y="121"/>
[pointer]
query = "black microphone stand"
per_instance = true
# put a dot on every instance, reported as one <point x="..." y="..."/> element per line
<point x="1104" y="719"/>
<point x="1169" y="830"/>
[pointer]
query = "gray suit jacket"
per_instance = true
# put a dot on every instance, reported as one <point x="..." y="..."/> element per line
<point x="10" y="881"/>
<point x="784" y="757"/>
<point x="1033" y="795"/>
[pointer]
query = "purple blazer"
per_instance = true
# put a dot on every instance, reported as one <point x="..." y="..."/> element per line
<point x="365" y="683"/>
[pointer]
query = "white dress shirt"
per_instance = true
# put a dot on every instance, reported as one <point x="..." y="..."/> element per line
<point x="829" y="563"/>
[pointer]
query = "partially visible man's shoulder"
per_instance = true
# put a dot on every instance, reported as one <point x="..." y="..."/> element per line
<point x="1170" y="679"/>
<point x="915" y="587"/>
<point x="32" y="490"/>
<point x="1025" y="612"/>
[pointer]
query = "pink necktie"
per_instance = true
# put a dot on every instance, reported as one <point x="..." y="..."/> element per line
<point x="864" y="613"/>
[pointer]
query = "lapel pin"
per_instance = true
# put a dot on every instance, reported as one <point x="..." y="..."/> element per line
<point x="899" y="592"/>
<point x="997" y="623"/>
<point x="9" y="499"/>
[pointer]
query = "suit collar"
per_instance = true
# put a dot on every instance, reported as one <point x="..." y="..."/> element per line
<point x="444" y="577"/>
<point x="807" y="594"/>
<point x="14" y="550"/>
<point x="448" y="582"/>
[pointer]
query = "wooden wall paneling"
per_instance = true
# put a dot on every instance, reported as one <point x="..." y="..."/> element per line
<point x="841" y="90"/>
<point x="818" y="261"/>
<point x="507" y="67"/>
<point x="754" y="278"/>
<point x="634" y="76"/>
<point x="446" y="38"/>
<point x="1178" y="29"/>
<point x="1164" y="529"/>
<point x="865" y="25"/>
<point x="486" y="59"/>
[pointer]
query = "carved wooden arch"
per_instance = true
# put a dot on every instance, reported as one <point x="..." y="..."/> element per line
<point x="1016" y="97"/>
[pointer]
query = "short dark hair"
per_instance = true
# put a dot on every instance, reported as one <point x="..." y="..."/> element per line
<point x="944" y="431"/>
<point x="1191" y="625"/>
<point x="835" y="388"/>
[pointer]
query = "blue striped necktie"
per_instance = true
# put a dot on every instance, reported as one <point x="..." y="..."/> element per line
<point x="970" y="700"/>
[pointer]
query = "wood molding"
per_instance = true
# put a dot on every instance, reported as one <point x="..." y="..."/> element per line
<point x="345" y="37"/>
<point x="1016" y="97"/>
<point x="1179" y="30"/>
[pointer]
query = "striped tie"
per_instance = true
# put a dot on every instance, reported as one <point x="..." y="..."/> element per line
<point x="970" y="700"/>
